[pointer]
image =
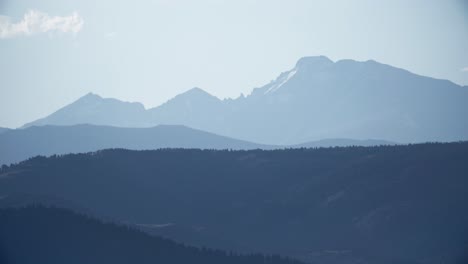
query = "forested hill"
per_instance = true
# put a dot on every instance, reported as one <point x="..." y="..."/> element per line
<point x="390" y="204"/>
<point x="39" y="234"/>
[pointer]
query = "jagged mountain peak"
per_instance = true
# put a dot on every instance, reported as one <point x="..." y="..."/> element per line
<point x="304" y="66"/>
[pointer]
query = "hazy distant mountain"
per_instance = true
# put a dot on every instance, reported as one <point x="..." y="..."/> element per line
<point x="386" y="205"/>
<point x="194" y="108"/>
<point x="3" y="129"/>
<point x="317" y="99"/>
<point x="93" y="109"/>
<point x="348" y="99"/>
<point x="20" y="144"/>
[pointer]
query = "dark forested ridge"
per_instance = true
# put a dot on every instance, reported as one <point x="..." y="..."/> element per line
<point x="390" y="204"/>
<point x="39" y="234"/>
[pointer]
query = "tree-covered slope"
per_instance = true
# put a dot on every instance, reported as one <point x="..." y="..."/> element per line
<point x="392" y="204"/>
<point x="50" y="235"/>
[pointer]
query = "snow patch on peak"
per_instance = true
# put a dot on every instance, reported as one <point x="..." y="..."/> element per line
<point x="281" y="81"/>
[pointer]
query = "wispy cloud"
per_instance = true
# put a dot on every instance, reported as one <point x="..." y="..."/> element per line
<point x="465" y="69"/>
<point x="36" y="22"/>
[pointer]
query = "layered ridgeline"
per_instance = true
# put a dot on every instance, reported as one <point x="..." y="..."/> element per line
<point x="392" y="204"/>
<point x="56" y="236"/>
<point x="20" y="144"/>
<point x="315" y="100"/>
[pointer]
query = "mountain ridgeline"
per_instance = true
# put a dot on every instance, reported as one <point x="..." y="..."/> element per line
<point x="317" y="99"/>
<point x="388" y="204"/>
<point x="38" y="234"/>
<point x="19" y="144"/>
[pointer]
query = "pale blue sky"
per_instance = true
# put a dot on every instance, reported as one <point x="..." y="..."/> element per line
<point x="149" y="51"/>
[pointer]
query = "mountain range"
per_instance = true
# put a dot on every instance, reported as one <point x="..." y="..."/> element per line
<point x="315" y="100"/>
<point x="20" y="144"/>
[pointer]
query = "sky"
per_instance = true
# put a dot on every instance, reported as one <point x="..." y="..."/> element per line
<point x="54" y="51"/>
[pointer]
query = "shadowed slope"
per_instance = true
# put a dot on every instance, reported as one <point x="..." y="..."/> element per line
<point x="393" y="204"/>
<point x="51" y="235"/>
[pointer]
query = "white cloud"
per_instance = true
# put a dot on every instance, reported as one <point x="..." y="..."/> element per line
<point x="35" y="22"/>
<point x="464" y="69"/>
